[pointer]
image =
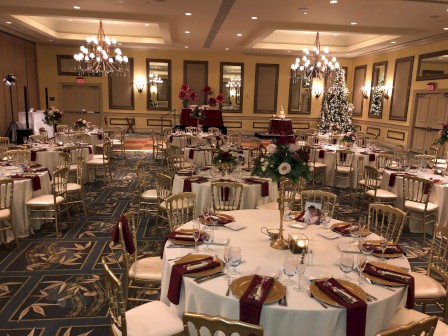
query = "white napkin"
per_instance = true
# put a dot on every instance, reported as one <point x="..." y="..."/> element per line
<point x="235" y="226"/>
<point x="348" y="247"/>
<point x="220" y="241"/>
<point x="299" y="225"/>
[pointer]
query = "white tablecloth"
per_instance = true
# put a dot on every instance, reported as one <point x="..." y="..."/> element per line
<point x="250" y="199"/>
<point x="303" y="316"/>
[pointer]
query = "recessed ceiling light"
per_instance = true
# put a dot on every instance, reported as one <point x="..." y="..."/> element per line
<point x="348" y="54"/>
<point x="334" y="1"/>
<point x="76" y="7"/>
<point x="440" y="58"/>
<point x="188" y="14"/>
<point x="335" y="34"/>
<point x="239" y="34"/>
<point x="147" y="24"/>
<point x="8" y="22"/>
<point x="446" y="28"/>
<point x="254" y="18"/>
<point x="289" y="51"/>
<point x="305" y="13"/>
<point x="120" y="43"/>
<point x="50" y="40"/>
<point x="353" y="23"/>
<point x="187" y="32"/>
<point x="227" y="48"/>
<point x="393" y="42"/>
<point x="186" y="47"/>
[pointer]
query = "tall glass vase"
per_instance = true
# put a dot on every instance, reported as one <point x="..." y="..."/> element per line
<point x="280" y="243"/>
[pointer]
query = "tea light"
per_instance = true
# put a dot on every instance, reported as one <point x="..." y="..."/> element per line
<point x="298" y="243"/>
<point x="60" y="143"/>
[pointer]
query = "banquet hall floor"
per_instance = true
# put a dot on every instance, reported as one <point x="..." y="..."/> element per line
<point x="54" y="286"/>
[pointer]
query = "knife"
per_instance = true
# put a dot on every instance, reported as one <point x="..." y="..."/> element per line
<point x="208" y="277"/>
<point x="378" y="284"/>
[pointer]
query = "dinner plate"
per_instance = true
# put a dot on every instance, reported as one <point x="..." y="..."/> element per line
<point x="364" y="233"/>
<point x="353" y="288"/>
<point x="240" y="285"/>
<point x="387" y="267"/>
<point x="196" y="257"/>
<point x="184" y="242"/>
<point x="377" y="242"/>
<point x="224" y="219"/>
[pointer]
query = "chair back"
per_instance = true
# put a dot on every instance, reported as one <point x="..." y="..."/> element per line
<point x="360" y="168"/>
<point x="180" y="208"/>
<point x="63" y="160"/>
<point x="115" y="298"/>
<point x="226" y="196"/>
<point x="371" y="176"/>
<point x="312" y="140"/>
<point x="191" y="129"/>
<point x="173" y="150"/>
<point x="175" y="163"/>
<point x="80" y="171"/>
<point x="75" y="153"/>
<point x="216" y="323"/>
<point x="18" y="156"/>
<point x="386" y="220"/>
<point x="6" y="193"/>
<point x="213" y="130"/>
<point x="320" y="196"/>
<point x="61" y="128"/>
<point x="38" y="138"/>
<point x="107" y="151"/>
<point x="382" y="161"/>
<point x="235" y="138"/>
<point x="425" y="327"/>
<point x="344" y="158"/>
<point x="59" y="185"/>
<point x="416" y="189"/>
<point x="128" y="258"/>
<point x="438" y="254"/>
<point x="164" y="184"/>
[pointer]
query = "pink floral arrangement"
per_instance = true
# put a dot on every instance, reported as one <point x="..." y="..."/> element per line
<point x="80" y="123"/>
<point x="186" y="95"/>
<point x="349" y="137"/>
<point x="52" y="116"/>
<point x="218" y="100"/>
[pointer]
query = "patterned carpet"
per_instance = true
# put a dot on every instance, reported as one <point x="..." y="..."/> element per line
<point x="53" y="287"/>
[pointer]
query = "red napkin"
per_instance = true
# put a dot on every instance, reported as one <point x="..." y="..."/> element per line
<point x="189" y="181"/>
<point x="176" y="276"/>
<point x="33" y="153"/>
<point x="372" y="157"/>
<point x="391" y="249"/>
<point x="39" y="168"/>
<point x="264" y="185"/>
<point x="299" y="217"/>
<point x="250" y="307"/>
<point x="127" y="235"/>
<point x="35" y="180"/>
<point x="191" y="154"/>
<point x="376" y="271"/>
<point x="220" y="220"/>
<point x="343" y="229"/>
<point x="321" y="154"/>
<point x="392" y="178"/>
<point x="356" y="312"/>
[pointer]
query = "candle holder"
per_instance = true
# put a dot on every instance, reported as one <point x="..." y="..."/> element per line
<point x="298" y="243"/>
<point x="280" y="243"/>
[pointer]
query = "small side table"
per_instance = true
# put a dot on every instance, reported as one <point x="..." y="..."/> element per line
<point x="280" y="126"/>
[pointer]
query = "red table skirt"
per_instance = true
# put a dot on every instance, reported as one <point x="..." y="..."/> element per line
<point x="280" y="127"/>
<point x="212" y="118"/>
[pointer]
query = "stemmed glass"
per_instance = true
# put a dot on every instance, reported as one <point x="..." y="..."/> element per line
<point x="384" y="242"/>
<point x="346" y="264"/>
<point x="227" y="257"/>
<point x="326" y="216"/>
<point x="208" y="236"/>
<point x="290" y="264"/>
<point x="235" y="258"/>
<point x="354" y="232"/>
<point x="25" y="140"/>
<point x="301" y="267"/>
<point x="196" y="235"/>
<point x="361" y="261"/>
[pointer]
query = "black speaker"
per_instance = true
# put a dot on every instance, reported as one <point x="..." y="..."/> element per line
<point x="23" y="133"/>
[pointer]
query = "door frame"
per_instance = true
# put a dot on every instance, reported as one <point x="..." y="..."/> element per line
<point x="100" y="87"/>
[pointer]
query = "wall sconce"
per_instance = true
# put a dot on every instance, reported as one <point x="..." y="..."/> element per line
<point x="385" y="92"/>
<point x="140" y="84"/>
<point x="365" y="92"/>
<point x="317" y="92"/>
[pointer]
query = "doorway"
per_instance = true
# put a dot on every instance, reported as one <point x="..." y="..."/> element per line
<point x="81" y="102"/>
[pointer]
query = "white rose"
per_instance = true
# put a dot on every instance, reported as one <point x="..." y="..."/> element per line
<point x="271" y="148"/>
<point x="262" y="160"/>
<point x="292" y="147"/>
<point x="284" y="168"/>
<point x="263" y="168"/>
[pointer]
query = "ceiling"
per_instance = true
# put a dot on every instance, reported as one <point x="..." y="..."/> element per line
<point x="281" y="27"/>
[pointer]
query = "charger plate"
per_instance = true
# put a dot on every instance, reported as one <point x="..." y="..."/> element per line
<point x="196" y="257"/>
<point x="377" y="243"/>
<point x="364" y="233"/>
<point x="321" y="296"/>
<point x="240" y="285"/>
<point x="184" y="242"/>
<point x="387" y="267"/>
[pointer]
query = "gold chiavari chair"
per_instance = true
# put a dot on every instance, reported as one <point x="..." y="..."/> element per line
<point x="75" y="190"/>
<point x="319" y="196"/>
<point x="424" y="327"/>
<point x="18" y="156"/>
<point x="191" y="129"/>
<point x="318" y="169"/>
<point x="102" y="164"/>
<point x="403" y="317"/>
<point x="4" y="146"/>
<point x="164" y="184"/>
<point x="61" y="128"/>
<point x="344" y="166"/>
<point x="38" y="138"/>
<point x="147" y="196"/>
<point x="291" y="190"/>
<point x="226" y="196"/>
<point x="383" y="161"/>
<point x="6" y="204"/>
<point x="385" y="220"/>
<point x="372" y="187"/>
<point x="180" y="208"/>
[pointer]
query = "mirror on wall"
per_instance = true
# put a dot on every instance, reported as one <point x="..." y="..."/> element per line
<point x="401" y="88"/>
<point x="299" y="96"/>
<point x="231" y="86"/>
<point x="433" y="66"/>
<point x="358" y="83"/>
<point x="266" y="88"/>
<point x="158" y="75"/>
<point x="378" y="84"/>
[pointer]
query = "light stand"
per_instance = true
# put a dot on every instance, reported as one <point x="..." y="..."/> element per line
<point x="10" y="80"/>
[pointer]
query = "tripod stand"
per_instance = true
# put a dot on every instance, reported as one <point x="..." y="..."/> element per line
<point x="12" y="129"/>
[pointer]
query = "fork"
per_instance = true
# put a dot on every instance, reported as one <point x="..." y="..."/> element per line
<point x="177" y="258"/>
<point x="229" y="283"/>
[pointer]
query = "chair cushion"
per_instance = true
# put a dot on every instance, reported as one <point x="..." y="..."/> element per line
<point x="427" y="287"/>
<point x="405" y="316"/>
<point x="73" y="187"/>
<point x="45" y="200"/>
<point x="317" y="165"/>
<point x="341" y="169"/>
<point x="149" y="194"/>
<point x="268" y="206"/>
<point x="381" y="193"/>
<point x="97" y="162"/>
<point x="97" y="156"/>
<point x="151" y="319"/>
<point x="5" y="213"/>
<point x="420" y="206"/>
<point x="73" y="167"/>
<point x="147" y="269"/>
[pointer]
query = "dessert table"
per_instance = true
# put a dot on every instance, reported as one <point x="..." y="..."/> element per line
<point x="213" y="118"/>
<point x="303" y="316"/>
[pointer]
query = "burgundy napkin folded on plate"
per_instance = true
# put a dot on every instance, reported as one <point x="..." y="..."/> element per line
<point x="356" y="311"/>
<point x="299" y="217"/>
<point x="35" y="180"/>
<point x="178" y="270"/>
<point x="343" y="229"/>
<point x="180" y="235"/>
<point x="127" y="235"/>
<point x="250" y="303"/>
<point x="407" y="280"/>
<point x="264" y="185"/>
<point x="372" y="157"/>
<point x="191" y="153"/>
<point x="220" y="219"/>
<point x="391" y="249"/>
<point x="189" y="181"/>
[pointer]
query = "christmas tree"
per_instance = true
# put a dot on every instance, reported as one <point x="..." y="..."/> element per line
<point x="336" y="114"/>
<point x="376" y="106"/>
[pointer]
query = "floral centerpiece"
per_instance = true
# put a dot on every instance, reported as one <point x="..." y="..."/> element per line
<point x="443" y="135"/>
<point x="52" y="116"/>
<point x="81" y="123"/>
<point x="349" y="137"/>
<point x="218" y="100"/>
<point x="224" y="160"/>
<point x="283" y="159"/>
<point x="186" y="95"/>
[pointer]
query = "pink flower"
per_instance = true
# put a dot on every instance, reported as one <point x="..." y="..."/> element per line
<point x="182" y="95"/>
<point x="284" y="168"/>
<point x="220" y="98"/>
<point x="212" y="101"/>
<point x="185" y="87"/>
<point x="192" y="96"/>
<point x="207" y="90"/>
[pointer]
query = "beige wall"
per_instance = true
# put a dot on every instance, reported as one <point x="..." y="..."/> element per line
<point x="48" y="78"/>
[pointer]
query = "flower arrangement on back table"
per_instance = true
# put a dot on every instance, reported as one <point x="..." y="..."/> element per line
<point x="282" y="159"/>
<point x="198" y="113"/>
<point x="81" y="123"/>
<point x="186" y="95"/>
<point x="52" y="116"/>
<point x="224" y="156"/>
<point x="349" y="137"/>
<point x="218" y="100"/>
<point x="443" y="135"/>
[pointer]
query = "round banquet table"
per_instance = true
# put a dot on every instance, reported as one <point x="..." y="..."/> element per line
<point x="250" y="199"/>
<point x="303" y="316"/>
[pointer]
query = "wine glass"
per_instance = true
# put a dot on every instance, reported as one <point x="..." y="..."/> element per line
<point x="362" y="223"/>
<point x="301" y="267"/>
<point x="196" y="235"/>
<point x="346" y="263"/>
<point x="361" y="261"/>
<point x="290" y="264"/>
<point x="25" y="140"/>
<point x="326" y="217"/>
<point x="227" y="258"/>
<point x="384" y="242"/>
<point x="235" y="258"/>
<point x="366" y="250"/>
<point x="354" y="232"/>
<point x="208" y="237"/>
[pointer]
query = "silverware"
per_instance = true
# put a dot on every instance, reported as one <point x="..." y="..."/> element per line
<point x="208" y="277"/>
<point x="177" y="258"/>
<point x="229" y="283"/>
<point x="178" y="246"/>
<point x="285" y="303"/>
<point x="343" y="294"/>
<point x="371" y="298"/>
<point x="312" y="296"/>
<point x="378" y="284"/>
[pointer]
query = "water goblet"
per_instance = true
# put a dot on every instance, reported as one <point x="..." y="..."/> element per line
<point x="326" y="218"/>
<point x="346" y="263"/>
<point x="227" y="258"/>
<point x="208" y="236"/>
<point x="290" y="264"/>
<point x="196" y="235"/>
<point x="25" y="140"/>
<point x="354" y="232"/>
<point x="361" y="261"/>
<point x="235" y="259"/>
<point x="384" y="242"/>
<point x="301" y="267"/>
<point x="366" y="249"/>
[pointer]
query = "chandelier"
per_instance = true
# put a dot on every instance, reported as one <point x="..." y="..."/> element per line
<point x="234" y="83"/>
<point x="97" y="56"/>
<point x="316" y="65"/>
<point x="154" y="79"/>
